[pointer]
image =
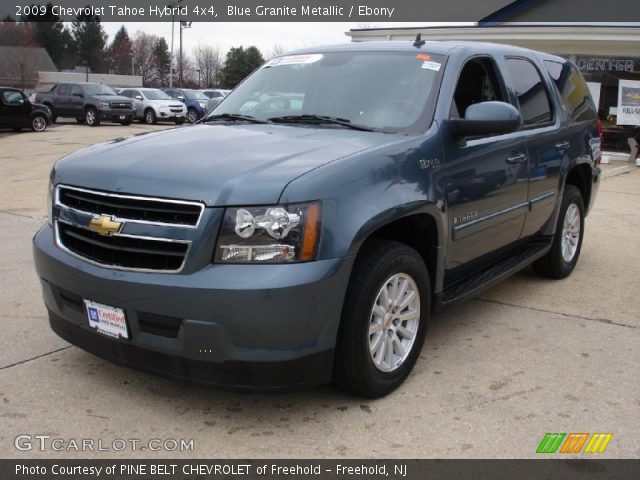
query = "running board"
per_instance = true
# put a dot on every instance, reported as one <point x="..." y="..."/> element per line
<point x="495" y="273"/>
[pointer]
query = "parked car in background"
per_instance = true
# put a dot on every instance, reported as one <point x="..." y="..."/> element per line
<point x="88" y="103"/>
<point x="215" y="97"/>
<point x="195" y="101"/>
<point x="17" y="112"/>
<point x="152" y="104"/>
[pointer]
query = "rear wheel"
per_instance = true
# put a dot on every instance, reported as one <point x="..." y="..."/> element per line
<point x="563" y="256"/>
<point x="53" y="113"/>
<point x="91" y="117"/>
<point x="383" y="320"/>
<point x="39" y="123"/>
<point x="150" y="117"/>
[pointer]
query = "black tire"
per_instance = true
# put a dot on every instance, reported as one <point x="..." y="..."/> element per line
<point x="192" y="115"/>
<point x="179" y="121"/>
<point x="554" y="264"/>
<point x="39" y="123"/>
<point x="91" y="117"/>
<point x="150" y="117"/>
<point x="127" y="122"/>
<point x="354" y="369"/>
<point x="80" y="120"/>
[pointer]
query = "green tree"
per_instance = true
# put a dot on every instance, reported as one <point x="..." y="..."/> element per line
<point x="53" y="36"/>
<point x="238" y="64"/>
<point x="161" y="61"/>
<point x="121" y="52"/>
<point x="91" y="40"/>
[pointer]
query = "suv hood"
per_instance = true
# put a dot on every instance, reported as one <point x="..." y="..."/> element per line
<point x="219" y="164"/>
<point x="113" y="98"/>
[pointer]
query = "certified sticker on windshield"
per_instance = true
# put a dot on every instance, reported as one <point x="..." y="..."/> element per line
<point x="429" y="65"/>
<point x="294" y="60"/>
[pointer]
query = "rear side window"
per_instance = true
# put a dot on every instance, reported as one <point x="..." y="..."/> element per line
<point x="535" y="106"/>
<point x="573" y="90"/>
<point x="75" y="90"/>
<point x="12" y="97"/>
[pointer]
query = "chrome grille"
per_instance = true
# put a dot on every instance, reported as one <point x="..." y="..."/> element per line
<point x="131" y="208"/>
<point x="76" y="233"/>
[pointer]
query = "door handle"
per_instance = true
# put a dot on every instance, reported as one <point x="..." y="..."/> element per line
<point x="516" y="158"/>
<point x="564" y="145"/>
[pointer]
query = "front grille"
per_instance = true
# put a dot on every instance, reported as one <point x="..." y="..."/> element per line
<point x="139" y="209"/>
<point x="120" y="105"/>
<point x="123" y="251"/>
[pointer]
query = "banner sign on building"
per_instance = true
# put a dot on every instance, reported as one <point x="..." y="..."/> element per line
<point x="628" y="102"/>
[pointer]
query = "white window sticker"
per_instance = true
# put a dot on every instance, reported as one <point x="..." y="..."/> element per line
<point x="294" y="60"/>
<point x="429" y="65"/>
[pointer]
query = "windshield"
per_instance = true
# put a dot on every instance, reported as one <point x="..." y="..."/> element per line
<point x="98" y="90"/>
<point x="155" y="95"/>
<point x="379" y="90"/>
<point x="194" y="95"/>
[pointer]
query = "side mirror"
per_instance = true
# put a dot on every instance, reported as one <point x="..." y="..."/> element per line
<point x="138" y="97"/>
<point x="181" y="98"/>
<point x="487" y="118"/>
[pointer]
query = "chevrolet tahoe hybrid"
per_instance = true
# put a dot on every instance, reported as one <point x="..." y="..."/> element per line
<point x="307" y="228"/>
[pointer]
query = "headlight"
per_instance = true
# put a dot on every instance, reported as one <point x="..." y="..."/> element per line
<point x="50" y="203"/>
<point x="275" y="234"/>
<point x="104" y="104"/>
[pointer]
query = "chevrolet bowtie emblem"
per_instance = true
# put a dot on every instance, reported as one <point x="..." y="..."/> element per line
<point x="105" y="225"/>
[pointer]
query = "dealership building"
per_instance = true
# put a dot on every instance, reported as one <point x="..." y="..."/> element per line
<point x="606" y="55"/>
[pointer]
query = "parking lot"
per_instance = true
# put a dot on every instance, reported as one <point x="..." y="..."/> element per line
<point x="527" y="357"/>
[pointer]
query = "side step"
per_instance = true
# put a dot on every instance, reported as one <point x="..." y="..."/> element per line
<point x="495" y="273"/>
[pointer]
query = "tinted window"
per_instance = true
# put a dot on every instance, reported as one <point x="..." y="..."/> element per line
<point x="12" y="97"/>
<point x="535" y="106"/>
<point x="64" y="89"/>
<point x="573" y="90"/>
<point x="99" y="89"/>
<point x="75" y="89"/>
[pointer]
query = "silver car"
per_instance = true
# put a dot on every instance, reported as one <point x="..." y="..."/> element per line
<point x="215" y="96"/>
<point x="152" y="104"/>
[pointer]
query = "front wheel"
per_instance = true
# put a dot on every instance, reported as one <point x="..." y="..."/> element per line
<point x="91" y="117"/>
<point x="563" y="256"/>
<point x="192" y="115"/>
<point x="384" y="319"/>
<point x="39" y="123"/>
<point x="150" y="117"/>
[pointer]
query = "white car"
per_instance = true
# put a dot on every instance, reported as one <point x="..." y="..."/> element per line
<point x="152" y="105"/>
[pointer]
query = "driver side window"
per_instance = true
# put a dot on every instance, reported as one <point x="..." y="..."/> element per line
<point x="12" y="97"/>
<point x="478" y="82"/>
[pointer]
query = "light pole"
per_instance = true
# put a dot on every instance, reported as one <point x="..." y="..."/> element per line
<point x="183" y="25"/>
<point x="172" y="5"/>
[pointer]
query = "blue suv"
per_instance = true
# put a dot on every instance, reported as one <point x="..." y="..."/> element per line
<point x="307" y="229"/>
<point x="195" y="101"/>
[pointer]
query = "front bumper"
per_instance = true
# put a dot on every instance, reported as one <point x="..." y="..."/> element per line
<point x="166" y="114"/>
<point x="240" y="326"/>
<point x="118" y="115"/>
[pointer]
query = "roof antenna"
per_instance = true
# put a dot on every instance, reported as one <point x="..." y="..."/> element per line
<point x="419" y="42"/>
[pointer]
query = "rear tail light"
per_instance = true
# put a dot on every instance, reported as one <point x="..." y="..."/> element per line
<point x="599" y="155"/>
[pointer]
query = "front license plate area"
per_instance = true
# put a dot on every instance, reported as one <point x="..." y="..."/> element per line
<point x="107" y="320"/>
<point x="122" y="117"/>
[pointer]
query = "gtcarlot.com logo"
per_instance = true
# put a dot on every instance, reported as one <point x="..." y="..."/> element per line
<point x="43" y="442"/>
<point x="574" y="442"/>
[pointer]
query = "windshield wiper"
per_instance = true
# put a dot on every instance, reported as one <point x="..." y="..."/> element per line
<point x="320" y="119"/>
<point x="233" y="116"/>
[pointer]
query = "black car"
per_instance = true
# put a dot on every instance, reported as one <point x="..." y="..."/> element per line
<point x="88" y="103"/>
<point x="17" y="112"/>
